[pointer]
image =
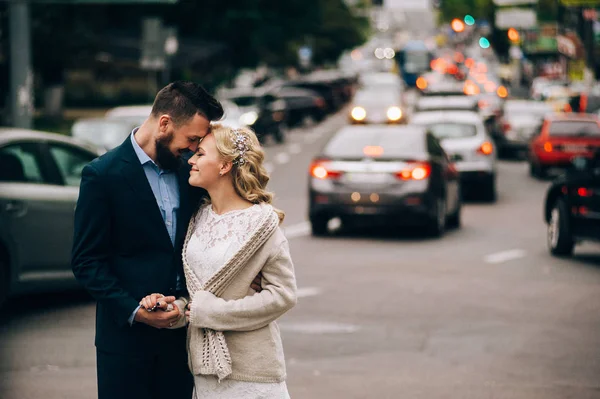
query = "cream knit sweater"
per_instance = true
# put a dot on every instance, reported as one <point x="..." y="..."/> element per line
<point x="232" y="331"/>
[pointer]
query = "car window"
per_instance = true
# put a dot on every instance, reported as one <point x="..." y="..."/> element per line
<point x="20" y="163"/>
<point x="351" y="144"/>
<point x="70" y="161"/>
<point x="574" y="128"/>
<point x="448" y="130"/>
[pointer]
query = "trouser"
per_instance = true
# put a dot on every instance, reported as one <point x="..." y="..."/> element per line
<point x="144" y="376"/>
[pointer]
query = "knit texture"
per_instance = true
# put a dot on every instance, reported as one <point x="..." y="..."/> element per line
<point x="215" y="356"/>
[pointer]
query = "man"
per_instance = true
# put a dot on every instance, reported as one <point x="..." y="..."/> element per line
<point x="130" y="223"/>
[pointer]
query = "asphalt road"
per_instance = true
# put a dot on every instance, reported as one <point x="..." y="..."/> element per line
<point x="484" y="312"/>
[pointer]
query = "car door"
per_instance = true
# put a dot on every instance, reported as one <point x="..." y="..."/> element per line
<point x="29" y="211"/>
<point x="68" y="161"/>
<point x="448" y="172"/>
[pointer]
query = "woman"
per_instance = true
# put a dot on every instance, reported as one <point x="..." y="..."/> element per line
<point x="234" y="345"/>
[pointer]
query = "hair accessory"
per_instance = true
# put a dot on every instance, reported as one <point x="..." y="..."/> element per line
<point x="242" y="145"/>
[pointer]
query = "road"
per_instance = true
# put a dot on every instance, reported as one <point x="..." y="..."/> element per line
<point x="484" y="312"/>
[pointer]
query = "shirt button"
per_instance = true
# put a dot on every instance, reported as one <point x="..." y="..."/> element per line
<point x="168" y="223"/>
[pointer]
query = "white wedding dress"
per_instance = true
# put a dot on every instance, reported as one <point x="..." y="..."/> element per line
<point x="216" y="239"/>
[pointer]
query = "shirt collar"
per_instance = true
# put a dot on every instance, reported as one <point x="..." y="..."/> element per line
<point x="142" y="156"/>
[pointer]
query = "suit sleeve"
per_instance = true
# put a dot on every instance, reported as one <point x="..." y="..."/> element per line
<point x="252" y="312"/>
<point x="92" y="248"/>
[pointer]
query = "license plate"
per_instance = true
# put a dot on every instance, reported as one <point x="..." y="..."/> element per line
<point x="374" y="178"/>
<point x="575" y="148"/>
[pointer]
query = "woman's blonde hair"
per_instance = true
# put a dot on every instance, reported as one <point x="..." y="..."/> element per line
<point x="248" y="173"/>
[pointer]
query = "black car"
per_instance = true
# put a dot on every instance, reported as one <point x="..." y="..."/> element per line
<point x="264" y="113"/>
<point x="572" y="209"/>
<point x="303" y="107"/>
<point x="392" y="174"/>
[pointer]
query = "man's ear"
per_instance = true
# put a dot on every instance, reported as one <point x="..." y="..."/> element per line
<point x="163" y="122"/>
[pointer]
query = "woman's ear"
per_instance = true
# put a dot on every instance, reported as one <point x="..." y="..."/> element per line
<point x="225" y="168"/>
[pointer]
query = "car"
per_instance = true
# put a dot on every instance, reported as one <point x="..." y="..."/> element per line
<point x="303" y="107"/>
<point x="396" y="175"/>
<point x="464" y="138"/>
<point x="377" y="106"/>
<point x="39" y="184"/>
<point x="572" y="206"/>
<point x="381" y="81"/>
<point x="265" y="114"/>
<point x="134" y="113"/>
<point x="561" y="138"/>
<point x="102" y="132"/>
<point x="521" y="121"/>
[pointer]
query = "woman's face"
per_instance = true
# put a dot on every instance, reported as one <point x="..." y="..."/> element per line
<point x="206" y="164"/>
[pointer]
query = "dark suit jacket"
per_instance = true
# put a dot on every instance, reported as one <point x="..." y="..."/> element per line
<point x="122" y="250"/>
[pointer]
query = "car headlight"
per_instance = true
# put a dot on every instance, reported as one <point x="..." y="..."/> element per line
<point x="358" y="113"/>
<point x="394" y="113"/>
<point x="249" y="118"/>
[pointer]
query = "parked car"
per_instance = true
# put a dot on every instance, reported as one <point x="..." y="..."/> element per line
<point x="563" y="137"/>
<point x="572" y="206"/>
<point x="377" y="106"/>
<point x="134" y="113"/>
<point x="303" y="107"/>
<point x="398" y="175"/>
<point x="265" y="114"/>
<point x="466" y="141"/>
<point x="102" y="132"/>
<point x="39" y="185"/>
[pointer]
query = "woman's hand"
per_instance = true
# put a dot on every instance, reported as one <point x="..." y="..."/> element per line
<point x="159" y="300"/>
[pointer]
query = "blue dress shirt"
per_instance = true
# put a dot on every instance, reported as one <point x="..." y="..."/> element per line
<point x="165" y="187"/>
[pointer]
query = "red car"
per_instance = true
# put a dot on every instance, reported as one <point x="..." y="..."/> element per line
<point x="563" y="137"/>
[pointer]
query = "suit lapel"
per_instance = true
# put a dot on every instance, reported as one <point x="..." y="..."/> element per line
<point x="133" y="172"/>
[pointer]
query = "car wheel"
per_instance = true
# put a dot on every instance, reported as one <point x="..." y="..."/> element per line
<point x="318" y="226"/>
<point x="560" y="239"/>
<point x="453" y="220"/>
<point x="437" y="224"/>
<point x="490" y="193"/>
<point x="4" y="281"/>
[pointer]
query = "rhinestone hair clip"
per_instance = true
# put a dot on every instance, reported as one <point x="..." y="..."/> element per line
<point x="242" y="144"/>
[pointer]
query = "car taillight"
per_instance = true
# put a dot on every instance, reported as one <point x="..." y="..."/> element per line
<point x="415" y="171"/>
<point x="322" y="170"/>
<point x="548" y="146"/>
<point x="486" y="148"/>
<point x="584" y="192"/>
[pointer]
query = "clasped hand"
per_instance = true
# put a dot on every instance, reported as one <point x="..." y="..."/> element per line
<point x="158" y="311"/>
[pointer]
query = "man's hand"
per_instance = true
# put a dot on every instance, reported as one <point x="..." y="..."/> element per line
<point x="257" y="283"/>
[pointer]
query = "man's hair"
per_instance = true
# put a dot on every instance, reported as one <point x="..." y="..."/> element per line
<point x="182" y="100"/>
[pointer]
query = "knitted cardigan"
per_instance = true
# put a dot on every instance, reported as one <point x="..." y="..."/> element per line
<point x="232" y="333"/>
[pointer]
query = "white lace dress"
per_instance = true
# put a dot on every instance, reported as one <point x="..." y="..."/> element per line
<point x="215" y="240"/>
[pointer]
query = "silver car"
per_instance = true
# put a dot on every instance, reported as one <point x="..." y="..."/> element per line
<point x="371" y="106"/>
<point x="465" y="139"/>
<point x="39" y="185"/>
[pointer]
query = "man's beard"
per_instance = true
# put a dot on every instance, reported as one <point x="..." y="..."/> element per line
<point x="164" y="157"/>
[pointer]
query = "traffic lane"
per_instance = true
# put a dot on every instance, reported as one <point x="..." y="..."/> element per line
<point x="447" y="318"/>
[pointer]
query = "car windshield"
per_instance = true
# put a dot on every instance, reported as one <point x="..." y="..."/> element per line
<point x="449" y="130"/>
<point x="373" y="97"/>
<point x="396" y="144"/>
<point x="574" y="128"/>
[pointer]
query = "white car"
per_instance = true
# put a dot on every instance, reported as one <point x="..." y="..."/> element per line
<point x="136" y="113"/>
<point x="464" y="137"/>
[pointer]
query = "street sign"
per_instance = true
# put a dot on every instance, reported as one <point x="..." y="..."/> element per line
<point x="503" y="3"/>
<point x="153" y="45"/>
<point x="580" y="3"/>
<point x="305" y="55"/>
<point x="521" y="18"/>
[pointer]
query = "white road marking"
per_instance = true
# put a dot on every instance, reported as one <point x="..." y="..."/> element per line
<point x="297" y="230"/>
<point x="295" y="148"/>
<point x="282" y="158"/>
<point x="306" y="292"/>
<point x="504" y="256"/>
<point x="319" y="328"/>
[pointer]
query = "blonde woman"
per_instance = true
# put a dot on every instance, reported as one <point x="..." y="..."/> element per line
<point x="234" y="345"/>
